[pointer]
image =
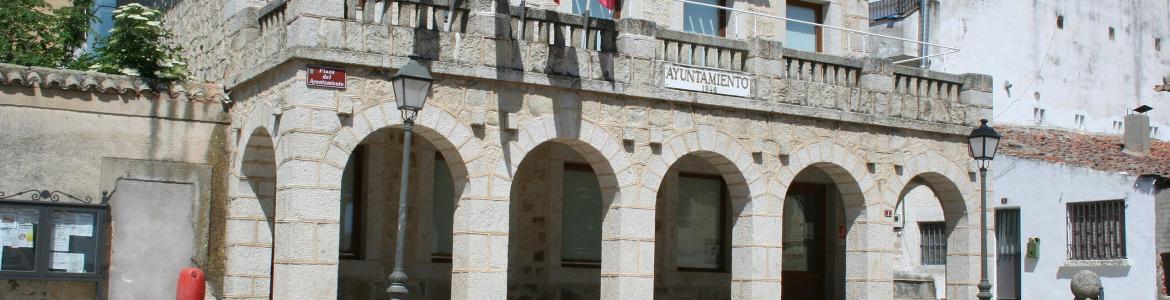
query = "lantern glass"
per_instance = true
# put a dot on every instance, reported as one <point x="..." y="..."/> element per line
<point x="412" y="84"/>
<point x="411" y="93"/>
<point x="983" y="142"/>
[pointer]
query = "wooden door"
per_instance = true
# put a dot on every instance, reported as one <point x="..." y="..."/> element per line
<point x="805" y="221"/>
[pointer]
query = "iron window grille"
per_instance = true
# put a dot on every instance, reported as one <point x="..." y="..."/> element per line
<point x="1096" y="230"/>
<point x="934" y="242"/>
<point x="1165" y="266"/>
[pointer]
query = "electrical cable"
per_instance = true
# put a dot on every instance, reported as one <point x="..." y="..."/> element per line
<point x="1043" y="63"/>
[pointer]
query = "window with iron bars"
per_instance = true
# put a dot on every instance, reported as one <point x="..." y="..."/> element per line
<point x="934" y="242"/>
<point x="1096" y="230"/>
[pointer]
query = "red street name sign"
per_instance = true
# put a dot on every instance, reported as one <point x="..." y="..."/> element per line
<point x="326" y="77"/>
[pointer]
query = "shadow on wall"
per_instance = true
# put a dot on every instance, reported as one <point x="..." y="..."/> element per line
<point x="1067" y="272"/>
<point x="1030" y="265"/>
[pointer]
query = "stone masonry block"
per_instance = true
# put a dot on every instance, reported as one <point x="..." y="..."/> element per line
<point x="301" y="145"/>
<point x="248" y="260"/>
<point x="326" y="8"/>
<point x="296" y="173"/>
<point x="241" y="231"/>
<point x="303" y="32"/>
<point x="308" y="204"/>
<point x="976" y="97"/>
<point x="874" y="65"/>
<point x="482" y="216"/>
<point x="977" y="82"/>
<point x="305" y="281"/>
<point x="765" y="48"/>
<point x="296" y="242"/>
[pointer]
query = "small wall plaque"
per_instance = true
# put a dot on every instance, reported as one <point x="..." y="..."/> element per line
<point x="326" y="77"/>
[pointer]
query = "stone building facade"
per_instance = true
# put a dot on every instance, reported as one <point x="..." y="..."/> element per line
<point x="510" y="112"/>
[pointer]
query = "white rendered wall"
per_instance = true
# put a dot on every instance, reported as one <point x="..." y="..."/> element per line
<point x="1042" y="191"/>
<point x="919" y="205"/>
<point x="1069" y="71"/>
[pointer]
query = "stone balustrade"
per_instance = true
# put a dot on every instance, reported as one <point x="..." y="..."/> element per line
<point x="702" y="51"/>
<point x="564" y="30"/>
<point x="625" y="57"/>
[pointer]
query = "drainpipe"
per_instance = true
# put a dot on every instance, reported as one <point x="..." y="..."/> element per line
<point x="924" y="32"/>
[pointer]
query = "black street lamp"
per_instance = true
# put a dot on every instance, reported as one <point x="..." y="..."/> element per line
<point x="412" y="83"/>
<point x="982" y="144"/>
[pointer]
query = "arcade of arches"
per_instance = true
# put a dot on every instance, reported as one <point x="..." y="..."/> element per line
<point x="568" y="196"/>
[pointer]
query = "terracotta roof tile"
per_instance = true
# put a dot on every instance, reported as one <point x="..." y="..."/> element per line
<point x="1094" y="151"/>
<point x="93" y="82"/>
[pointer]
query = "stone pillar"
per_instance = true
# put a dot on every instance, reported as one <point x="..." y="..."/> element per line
<point x="766" y="60"/>
<point x="877" y="89"/>
<point x="489" y="18"/>
<point x="627" y="263"/>
<point x="638" y="47"/>
<point x="307" y="233"/>
<point x="976" y="95"/>
<point x="480" y="241"/>
<point x="249" y="234"/>
<point x="308" y="208"/>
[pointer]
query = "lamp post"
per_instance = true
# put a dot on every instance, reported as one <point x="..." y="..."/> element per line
<point x="412" y="83"/>
<point x="982" y="144"/>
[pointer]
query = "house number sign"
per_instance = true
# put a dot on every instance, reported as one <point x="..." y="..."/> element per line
<point x="707" y="81"/>
<point x="326" y="77"/>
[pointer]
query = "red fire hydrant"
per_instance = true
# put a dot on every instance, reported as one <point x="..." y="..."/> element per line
<point x="191" y="284"/>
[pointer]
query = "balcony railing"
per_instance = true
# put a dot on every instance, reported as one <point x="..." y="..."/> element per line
<point x="421" y="14"/>
<point x="701" y="50"/>
<point x="885" y="11"/>
<point x="564" y="30"/>
<point x="928" y="96"/>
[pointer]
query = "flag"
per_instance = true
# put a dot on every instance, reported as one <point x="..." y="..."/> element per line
<point x="610" y="4"/>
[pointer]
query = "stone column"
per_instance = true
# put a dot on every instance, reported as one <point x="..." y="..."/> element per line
<point x="480" y="241"/>
<point x="627" y="245"/>
<point x="308" y="208"/>
<point x="307" y="232"/>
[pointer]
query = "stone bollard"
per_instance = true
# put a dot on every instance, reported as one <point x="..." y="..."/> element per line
<point x="1086" y="285"/>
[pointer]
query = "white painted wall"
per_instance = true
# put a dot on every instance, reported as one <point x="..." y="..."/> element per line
<point x="1066" y="72"/>
<point x="1042" y="191"/>
<point x="919" y="205"/>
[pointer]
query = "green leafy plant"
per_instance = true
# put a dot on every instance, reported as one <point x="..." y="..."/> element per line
<point x="136" y="46"/>
<point x="34" y="35"/>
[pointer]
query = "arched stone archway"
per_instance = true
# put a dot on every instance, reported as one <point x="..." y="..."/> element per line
<point x="857" y="198"/>
<point x="312" y="158"/>
<point x="623" y="218"/>
<point x="952" y="187"/>
<point x="755" y="223"/>
<point x="250" y="220"/>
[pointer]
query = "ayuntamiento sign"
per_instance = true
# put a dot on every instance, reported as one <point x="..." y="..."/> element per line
<point x="707" y="81"/>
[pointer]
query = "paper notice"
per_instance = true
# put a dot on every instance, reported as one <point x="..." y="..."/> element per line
<point x="8" y="234"/>
<point x="84" y="225"/>
<point x="70" y="262"/>
<point x="61" y="233"/>
<point x="24" y="236"/>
